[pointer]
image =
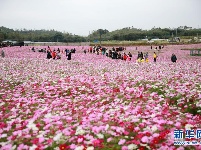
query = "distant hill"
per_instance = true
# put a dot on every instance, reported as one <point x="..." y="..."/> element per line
<point x="124" y="34"/>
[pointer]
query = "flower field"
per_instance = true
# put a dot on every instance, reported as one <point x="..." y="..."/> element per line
<point x="93" y="102"/>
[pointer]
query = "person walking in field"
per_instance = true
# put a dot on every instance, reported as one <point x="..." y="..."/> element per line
<point x="54" y="54"/>
<point x="69" y="56"/>
<point x="155" y="56"/>
<point x="49" y="54"/>
<point x="125" y="56"/>
<point x="58" y="54"/>
<point x="130" y="56"/>
<point x="2" y="53"/>
<point x="146" y="57"/>
<point x="85" y="51"/>
<point x="139" y="56"/>
<point x="173" y="58"/>
<point x="90" y="49"/>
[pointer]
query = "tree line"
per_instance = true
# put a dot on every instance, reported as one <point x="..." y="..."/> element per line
<point x="38" y="35"/>
<point x="125" y="34"/>
<point x="133" y="34"/>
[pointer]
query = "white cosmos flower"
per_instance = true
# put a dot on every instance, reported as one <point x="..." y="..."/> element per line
<point x="127" y="88"/>
<point x="79" y="131"/>
<point x="48" y="115"/>
<point x="32" y="126"/>
<point x="61" y="113"/>
<point x="143" y="144"/>
<point x="107" y="127"/>
<point x="14" y="147"/>
<point x="156" y="108"/>
<point x="188" y="126"/>
<point x="154" y="128"/>
<point x="79" y="148"/>
<point x="132" y="147"/>
<point x="90" y="148"/>
<point x="100" y="136"/>
<point x="57" y="137"/>
<point x="1" y="104"/>
<point x="147" y="128"/>
<point x="3" y="135"/>
<point x="33" y="147"/>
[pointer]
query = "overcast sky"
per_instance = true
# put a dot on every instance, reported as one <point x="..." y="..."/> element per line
<point x="83" y="16"/>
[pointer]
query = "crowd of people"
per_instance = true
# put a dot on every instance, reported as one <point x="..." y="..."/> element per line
<point x="114" y="53"/>
<point x="56" y="54"/>
<point x="142" y="57"/>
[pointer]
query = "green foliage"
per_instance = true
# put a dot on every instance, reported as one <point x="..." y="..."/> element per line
<point x="133" y="34"/>
<point x="124" y="34"/>
<point x="38" y="35"/>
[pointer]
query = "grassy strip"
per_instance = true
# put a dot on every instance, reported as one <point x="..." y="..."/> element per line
<point x="191" y="49"/>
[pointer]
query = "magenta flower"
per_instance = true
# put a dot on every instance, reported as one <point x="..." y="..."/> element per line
<point x="145" y="139"/>
<point x="121" y="141"/>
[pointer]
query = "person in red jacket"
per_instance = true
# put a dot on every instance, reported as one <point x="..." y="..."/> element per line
<point x="54" y="54"/>
<point x="90" y="49"/>
<point x="125" y="56"/>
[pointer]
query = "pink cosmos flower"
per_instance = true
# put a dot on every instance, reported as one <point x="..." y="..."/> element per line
<point x="145" y="139"/>
<point x="124" y="148"/>
<point x="109" y="139"/>
<point x="79" y="140"/>
<point x="178" y="125"/>
<point x="121" y="141"/>
<point x="72" y="146"/>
